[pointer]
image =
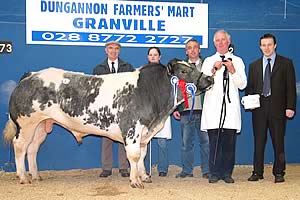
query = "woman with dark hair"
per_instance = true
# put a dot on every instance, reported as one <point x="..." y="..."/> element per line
<point x="154" y="56"/>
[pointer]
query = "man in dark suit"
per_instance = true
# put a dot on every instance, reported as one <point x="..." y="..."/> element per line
<point x="113" y="64"/>
<point x="277" y="103"/>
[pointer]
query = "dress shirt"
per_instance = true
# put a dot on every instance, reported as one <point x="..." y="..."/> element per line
<point x="115" y="64"/>
<point x="265" y="62"/>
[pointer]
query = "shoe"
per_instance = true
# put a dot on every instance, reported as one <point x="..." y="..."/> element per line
<point x="213" y="179"/>
<point x="206" y="175"/>
<point x="124" y="172"/>
<point x="183" y="175"/>
<point x="105" y="173"/>
<point x="255" y="177"/>
<point x="163" y="174"/>
<point x="228" y="179"/>
<point x="279" y="178"/>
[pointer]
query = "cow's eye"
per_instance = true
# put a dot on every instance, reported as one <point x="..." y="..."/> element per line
<point x="183" y="71"/>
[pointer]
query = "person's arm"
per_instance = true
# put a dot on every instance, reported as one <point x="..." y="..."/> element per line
<point x="125" y="66"/>
<point x="291" y="96"/>
<point x="237" y="72"/>
<point x="176" y="113"/>
<point x="130" y="68"/>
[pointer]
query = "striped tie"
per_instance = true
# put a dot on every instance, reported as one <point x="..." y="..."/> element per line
<point x="267" y="80"/>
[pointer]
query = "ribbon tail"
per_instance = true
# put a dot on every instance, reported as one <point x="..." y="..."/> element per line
<point x="192" y="109"/>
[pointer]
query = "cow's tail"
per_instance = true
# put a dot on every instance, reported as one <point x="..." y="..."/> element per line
<point x="9" y="131"/>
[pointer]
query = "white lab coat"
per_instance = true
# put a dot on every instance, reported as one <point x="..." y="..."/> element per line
<point x="214" y="97"/>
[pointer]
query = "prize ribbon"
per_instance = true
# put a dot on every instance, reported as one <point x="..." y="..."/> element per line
<point x="191" y="89"/>
<point x="174" y="82"/>
<point x="182" y="86"/>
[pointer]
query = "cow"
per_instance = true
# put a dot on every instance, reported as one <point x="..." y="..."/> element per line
<point x="128" y="107"/>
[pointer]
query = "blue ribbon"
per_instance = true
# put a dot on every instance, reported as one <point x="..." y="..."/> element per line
<point x="191" y="89"/>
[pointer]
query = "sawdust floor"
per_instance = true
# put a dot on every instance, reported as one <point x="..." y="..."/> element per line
<point x="86" y="185"/>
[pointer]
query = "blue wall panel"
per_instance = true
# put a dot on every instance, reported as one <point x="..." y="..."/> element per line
<point x="245" y="22"/>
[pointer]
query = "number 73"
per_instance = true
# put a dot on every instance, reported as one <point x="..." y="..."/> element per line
<point x="5" y="47"/>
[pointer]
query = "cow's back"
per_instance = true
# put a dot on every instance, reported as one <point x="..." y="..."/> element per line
<point x="64" y="95"/>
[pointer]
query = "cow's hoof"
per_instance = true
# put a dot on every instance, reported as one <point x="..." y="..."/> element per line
<point x="37" y="178"/>
<point x="137" y="185"/>
<point x="25" y="181"/>
<point x="147" y="180"/>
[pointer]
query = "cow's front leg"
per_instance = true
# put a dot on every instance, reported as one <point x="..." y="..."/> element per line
<point x="133" y="151"/>
<point x="141" y="166"/>
<point x="135" y="180"/>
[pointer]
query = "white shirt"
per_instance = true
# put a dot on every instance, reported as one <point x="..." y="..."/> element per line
<point x="214" y="97"/>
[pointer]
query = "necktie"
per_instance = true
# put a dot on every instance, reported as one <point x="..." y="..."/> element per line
<point x="113" y="69"/>
<point x="267" y="79"/>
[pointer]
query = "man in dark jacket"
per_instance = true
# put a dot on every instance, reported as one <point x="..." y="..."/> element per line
<point x="272" y="77"/>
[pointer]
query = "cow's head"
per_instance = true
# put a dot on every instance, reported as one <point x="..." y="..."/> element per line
<point x="189" y="73"/>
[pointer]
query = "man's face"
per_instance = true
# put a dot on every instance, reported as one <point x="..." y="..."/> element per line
<point x="267" y="46"/>
<point x="221" y="42"/>
<point x="112" y="51"/>
<point x="192" y="50"/>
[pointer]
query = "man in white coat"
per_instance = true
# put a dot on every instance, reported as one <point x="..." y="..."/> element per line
<point x="221" y="115"/>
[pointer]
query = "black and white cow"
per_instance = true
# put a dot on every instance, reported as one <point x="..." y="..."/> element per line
<point x="128" y="107"/>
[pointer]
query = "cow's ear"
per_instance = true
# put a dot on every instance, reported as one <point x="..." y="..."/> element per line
<point x="170" y="70"/>
<point x="170" y="66"/>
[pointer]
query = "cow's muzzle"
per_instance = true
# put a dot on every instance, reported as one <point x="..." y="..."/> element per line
<point x="204" y="82"/>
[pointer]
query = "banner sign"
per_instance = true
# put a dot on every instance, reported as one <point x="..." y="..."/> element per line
<point x="132" y="23"/>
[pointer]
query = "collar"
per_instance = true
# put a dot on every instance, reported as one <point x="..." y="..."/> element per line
<point x="273" y="56"/>
<point x="196" y="63"/>
<point x="110" y="61"/>
<point x="227" y="55"/>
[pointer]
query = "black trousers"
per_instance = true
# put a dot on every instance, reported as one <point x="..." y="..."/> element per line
<point x="262" y="121"/>
<point x="221" y="152"/>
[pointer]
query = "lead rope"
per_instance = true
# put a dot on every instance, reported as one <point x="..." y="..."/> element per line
<point x="223" y="112"/>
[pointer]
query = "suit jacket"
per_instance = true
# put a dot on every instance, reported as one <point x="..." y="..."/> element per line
<point x="103" y="68"/>
<point x="283" y="85"/>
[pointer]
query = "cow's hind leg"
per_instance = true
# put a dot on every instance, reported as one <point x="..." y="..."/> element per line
<point x="141" y="166"/>
<point x="39" y="136"/>
<point x="20" y="147"/>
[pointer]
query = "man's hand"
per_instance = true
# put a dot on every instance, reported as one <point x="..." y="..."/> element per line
<point x="289" y="113"/>
<point x="176" y="115"/>
<point x="229" y="65"/>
